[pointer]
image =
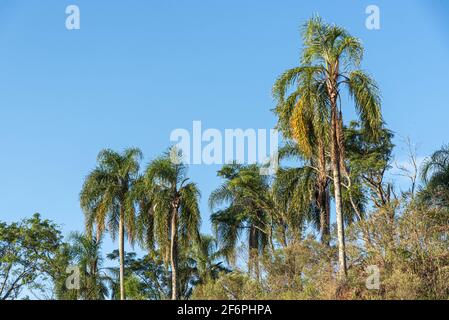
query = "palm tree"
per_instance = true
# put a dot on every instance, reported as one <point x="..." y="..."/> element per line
<point x="104" y="197"/>
<point x="86" y="253"/>
<point x="330" y="61"/>
<point x="247" y="203"/>
<point x="435" y="173"/>
<point x="304" y="191"/>
<point x="207" y="257"/>
<point x="169" y="209"/>
<point x="309" y="128"/>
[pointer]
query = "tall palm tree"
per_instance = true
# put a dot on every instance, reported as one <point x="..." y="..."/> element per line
<point x="330" y="62"/>
<point x="104" y="196"/>
<point x="169" y="209"/>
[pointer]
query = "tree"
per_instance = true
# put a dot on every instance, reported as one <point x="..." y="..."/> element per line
<point x="139" y="277"/>
<point x="87" y="256"/>
<point x="207" y="260"/>
<point x="169" y="210"/>
<point x="148" y="278"/>
<point x="303" y="192"/>
<point x="244" y="203"/>
<point x="330" y="61"/>
<point x="303" y="117"/>
<point x="104" y="197"/>
<point x="435" y="174"/>
<point x="27" y="252"/>
<point x="369" y="160"/>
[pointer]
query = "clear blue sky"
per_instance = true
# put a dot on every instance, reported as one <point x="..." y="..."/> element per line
<point x="139" y="69"/>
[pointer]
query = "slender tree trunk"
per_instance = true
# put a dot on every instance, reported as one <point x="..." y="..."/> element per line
<point x="122" y="253"/>
<point x="322" y="197"/>
<point x="97" y="241"/>
<point x="284" y="236"/>
<point x="253" y="263"/>
<point x="174" y="252"/>
<point x="338" y="199"/>
<point x="336" y="159"/>
<point x="328" y="213"/>
<point x="325" y="217"/>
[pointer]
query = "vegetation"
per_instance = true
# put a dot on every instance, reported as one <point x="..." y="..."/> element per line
<point x="171" y="215"/>
<point x="105" y="196"/>
<point x="28" y="252"/>
<point x="274" y="236"/>
<point x="311" y="115"/>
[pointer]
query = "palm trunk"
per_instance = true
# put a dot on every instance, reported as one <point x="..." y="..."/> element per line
<point x="122" y="253"/>
<point x="336" y="159"/>
<point x="336" y="165"/>
<point x="324" y="217"/>
<point x="322" y="195"/>
<point x="95" y="263"/>
<point x="328" y="213"/>
<point x="284" y="236"/>
<point x="174" y="253"/>
<point x="253" y="263"/>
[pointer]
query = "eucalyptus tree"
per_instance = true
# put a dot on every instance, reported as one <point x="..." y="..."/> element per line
<point x="330" y="62"/>
<point x="242" y="204"/>
<point x="169" y="210"/>
<point x="104" y="201"/>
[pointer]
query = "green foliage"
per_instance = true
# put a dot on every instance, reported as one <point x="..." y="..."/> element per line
<point x="270" y="221"/>
<point x="169" y="215"/>
<point x="411" y="254"/>
<point x="231" y="286"/>
<point x="105" y="196"/>
<point x="105" y="190"/>
<point x="87" y="257"/>
<point x="27" y="253"/>
<point x="246" y="198"/>
<point x="435" y="173"/>
<point x="147" y="278"/>
<point x="298" y="193"/>
<point x="304" y="94"/>
<point x="368" y="160"/>
<point x="411" y="251"/>
<point x="165" y="185"/>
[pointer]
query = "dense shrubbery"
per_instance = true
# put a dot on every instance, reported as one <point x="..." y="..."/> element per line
<point x="411" y="253"/>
